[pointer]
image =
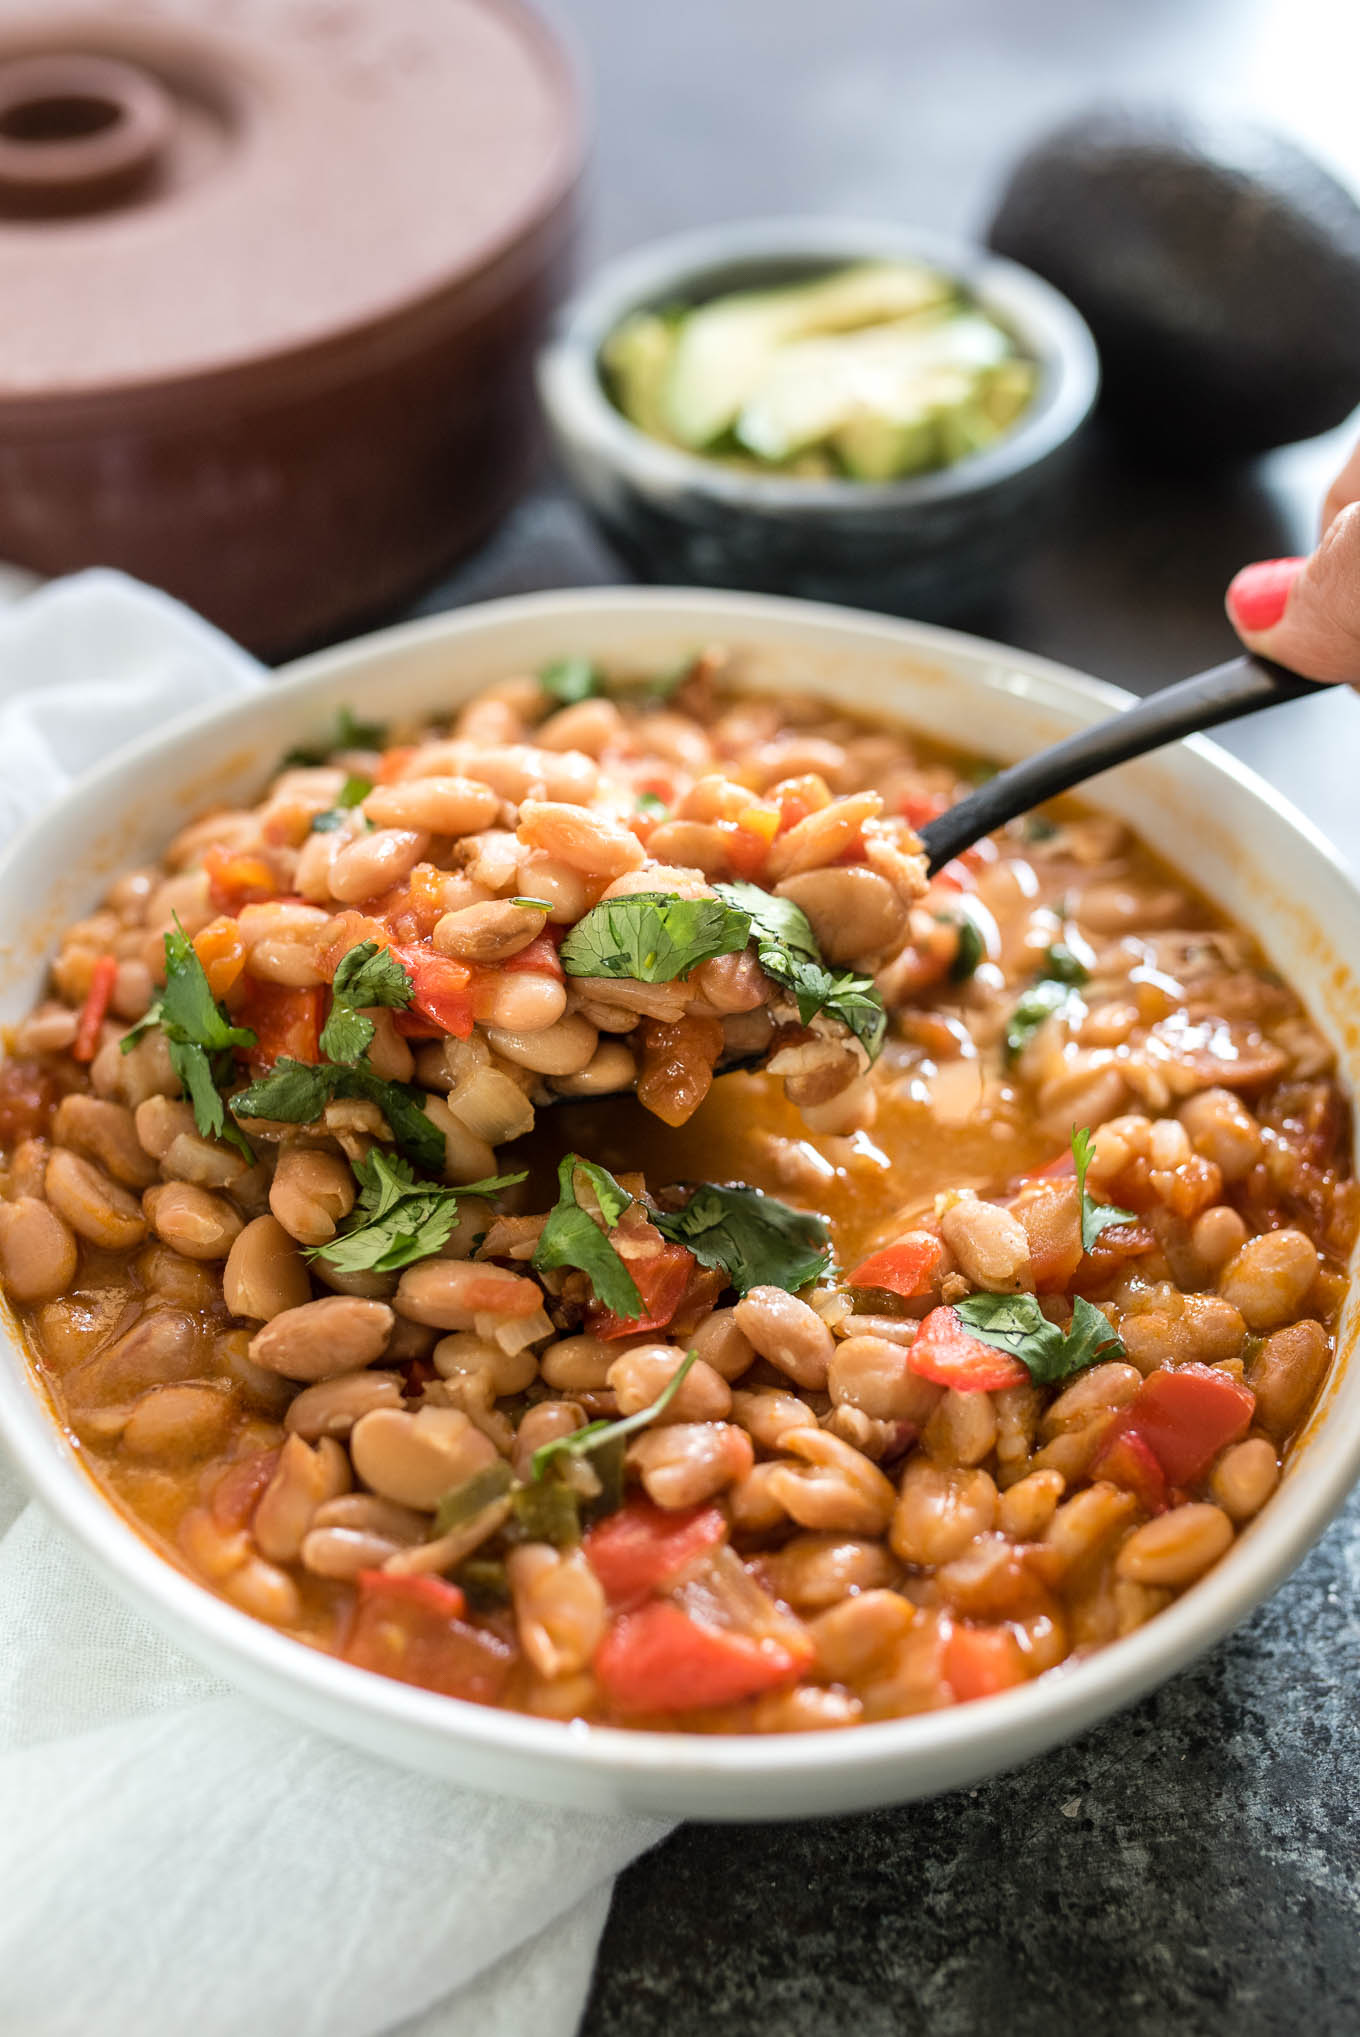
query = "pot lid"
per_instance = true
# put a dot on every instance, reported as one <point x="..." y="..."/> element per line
<point x="194" y="188"/>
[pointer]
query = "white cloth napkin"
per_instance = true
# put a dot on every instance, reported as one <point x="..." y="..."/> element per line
<point x="173" y="1857"/>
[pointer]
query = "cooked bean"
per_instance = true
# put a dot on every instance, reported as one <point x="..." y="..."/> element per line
<point x="488" y="933"/>
<point x="991" y="1245"/>
<point x="1269" y="1278"/>
<point x="416" y="1458"/>
<point x="1176" y="1547"/>
<point x="1093" y="1392"/>
<point x="1026" y="1508"/>
<point x="812" y="1572"/>
<point x="578" y="1364"/>
<point x="179" y="1422"/>
<point x="583" y="841"/>
<point x="612" y="1067"/>
<point x="437" y="806"/>
<point x="333" y="1406"/>
<point x="452" y="1293"/>
<point x="105" y="1132"/>
<point x="164" y="1346"/>
<point x="463" y="1356"/>
<point x="871" y="1374"/>
<point x="722" y="1345"/>
<point x="304" y="1479"/>
<point x="200" y="1225"/>
<point x="768" y="1415"/>
<point x="375" y="863"/>
<point x="939" y="1512"/>
<point x="1244" y="1477"/>
<point x="312" y="1193"/>
<point x="854" y="912"/>
<point x="519" y="1001"/>
<point x="786" y="1331"/>
<point x="588" y="725"/>
<point x="962" y="1429"/>
<point x="823" y="837"/>
<point x="95" y="1207"/>
<point x="641" y="1375"/>
<point x="264" y="1273"/>
<point x="1222" y="1128"/>
<point x="264" y="1591"/>
<point x="37" y="1250"/>
<point x="833" y="1486"/>
<point x="854" y="1636"/>
<point x="205" y="1162"/>
<point x="543" y="1423"/>
<point x="1286" y="1374"/>
<point x="322" y="1338"/>
<point x="560" y="1608"/>
<point x="1083" y="1527"/>
<point x="688" y="1462"/>
<point x="1218" y="1233"/>
<point x="262" y="1392"/>
<point x="159" y="1122"/>
<point x="566" y="1048"/>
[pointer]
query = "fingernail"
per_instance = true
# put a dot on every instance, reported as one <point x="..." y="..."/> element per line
<point x="1258" y="594"/>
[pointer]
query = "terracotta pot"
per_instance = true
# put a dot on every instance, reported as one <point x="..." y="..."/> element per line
<point x="273" y="288"/>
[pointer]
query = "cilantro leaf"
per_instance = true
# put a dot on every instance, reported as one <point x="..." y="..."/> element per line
<point x="367" y="975"/>
<point x="652" y="803"/>
<point x="1060" y="974"/>
<point x="570" y="679"/>
<point x="350" y="734"/>
<point x="571" y="1237"/>
<point x="582" y="1442"/>
<point x="1016" y="1324"/>
<point x="756" y="1240"/>
<point x="464" y="1502"/>
<point x="200" y="1038"/>
<point x="292" y="1093"/>
<point x="1095" y="1216"/>
<point x="352" y="793"/>
<point x="971" y="950"/>
<point x="786" y="949"/>
<point x="296" y="1093"/>
<point x="398" y="1219"/>
<point x="652" y="936"/>
<point x="1062" y="966"/>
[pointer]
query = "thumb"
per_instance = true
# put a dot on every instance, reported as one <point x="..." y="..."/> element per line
<point x="1306" y="612"/>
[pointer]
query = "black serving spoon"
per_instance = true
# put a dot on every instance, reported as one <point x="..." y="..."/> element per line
<point x="1243" y="686"/>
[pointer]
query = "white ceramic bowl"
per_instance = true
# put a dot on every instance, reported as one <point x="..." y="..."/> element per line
<point x="1263" y="863"/>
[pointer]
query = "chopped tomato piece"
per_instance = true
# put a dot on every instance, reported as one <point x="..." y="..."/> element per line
<point x="413" y="909"/>
<point x="286" y="1022"/>
<point x="760" y="819"/>
<point x="411" y="1628"/>
<point x="955" y="876"/>
<point x="745" y="849"/>
<point x="951" y="1356"/>
<point x="392" y="763"/>
<point x="642" y="1547"/>
<point x="541" y="955"/>
<point x="657" y="1659"/>
<point x="442" y="989"/>
<point x="661" y="1279"/>
<point x="1048" y="1208"/>
<point x="911" y="1267"/>
<point x="102" y="979"/>
<point x="236" y="879"/>
<point x="916" y="808"/>
<point x="1127" y="1460"/>
<point x="222" y="952"/>
<point x="980" y="1661"/>
<point x="235" y="1494"/>
<point x="1187" y="1416"/>
<point x="28" y="1097"/>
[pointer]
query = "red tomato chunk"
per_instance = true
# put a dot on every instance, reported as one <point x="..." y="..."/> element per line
<point x="1187" y="1416"/>
<point x="658" y="1659"/>
<point x="661" y="1279"/>
<point x="412" y="1628"/>
<point x="642" y="1548"/>
<point x="911" y="1267"/>
<point x="950" y="1356"/>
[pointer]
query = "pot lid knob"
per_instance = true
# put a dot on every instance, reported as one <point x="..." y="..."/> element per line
<point x="78" y="133"/>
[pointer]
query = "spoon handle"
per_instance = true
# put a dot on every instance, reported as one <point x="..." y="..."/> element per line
<point x="1242" y="686"/>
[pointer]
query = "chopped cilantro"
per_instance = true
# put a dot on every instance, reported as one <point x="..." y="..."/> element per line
<point x="652" y="936"/>
<point x="756" y="1240"/>
<point x="1016" y="1324"/>
<point x="398" y="1219"/>
<point x="367" y="975"/>
<point x="1095" y="1216"/>
<point x="200" y="1038"/>
<point x="787" y="951"/>
<point x="569" y="680"/>
<point x="1060" y="974"/>
<point x="571" y="1237"/>
<point x="296" y="1093"/>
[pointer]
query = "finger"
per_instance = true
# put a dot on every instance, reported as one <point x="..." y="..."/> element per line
<point x="1306" y="612"/>
<point x="1345" y="489"/>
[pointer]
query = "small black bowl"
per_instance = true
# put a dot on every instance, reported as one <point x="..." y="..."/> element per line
<point x="927" y="546"/>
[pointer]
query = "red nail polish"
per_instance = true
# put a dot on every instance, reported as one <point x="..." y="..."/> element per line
<point x="1257" y="596"/>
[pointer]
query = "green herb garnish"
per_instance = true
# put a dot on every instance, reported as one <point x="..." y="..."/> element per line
<point x="297" y="1092"/>
<point x="652" y="803"/>
<point x="399" y="1219"/>
<point x="1016" y="1324"/>
<point x="581" y="1442"/>
<point x="571" y="1236"/>
<point x="351" y="794"/>
<point x="971" y="950"/>
<point x="1095" y="1216"/>
<point x="533" y="904"/>
<point x="464" y="1502"/>
<point x="569" y="680"/>
<point x="1062" y="966"/>
<point x="1061" y="973"/>
<point x="756" y="1240"/>
<point x="199" y="1036"/>
<point x="787" y="951"/>
<point x="350" y="734"/>
<point x="367" y="975"/>
<point x="652" y="936"/>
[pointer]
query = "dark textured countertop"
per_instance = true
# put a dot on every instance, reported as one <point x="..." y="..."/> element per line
<point x="1189" y="1868"/>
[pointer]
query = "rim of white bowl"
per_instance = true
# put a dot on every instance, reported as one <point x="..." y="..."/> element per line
<point x="982" y="1736"/>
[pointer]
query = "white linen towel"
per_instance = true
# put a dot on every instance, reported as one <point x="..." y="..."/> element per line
<point x="173" y="1857"/>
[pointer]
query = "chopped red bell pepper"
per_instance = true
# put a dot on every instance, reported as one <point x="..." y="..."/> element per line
<point x="102" y="979"/>
<point x="236" y="878"/>
<point x="949" y="1355"/>
<point x="442" y="989"/>
<point x="911" y="1267"/>
<point x="980" y="1661"/>
<point x="642" y="1547"/>
<point x="286" y="1022"/>
<point x="1187" y="1416"/>
<point x="1128" y="1460"/>
<point x="540" y="956"/>
<point x="657" y="1659"/>
<point x="412" y="1628"/>
<point x="661" y="1279"/>
<point x="917" y="808"/>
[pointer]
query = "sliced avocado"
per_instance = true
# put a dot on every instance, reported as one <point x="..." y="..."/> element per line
<point x="636" y="359"/>
<point x="724" y="348"/>
<point x="876" y="448"/>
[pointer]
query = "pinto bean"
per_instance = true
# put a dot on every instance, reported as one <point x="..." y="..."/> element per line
<point x="488" y="933"/>
<point x="452" y="1293"/>
<point x="1027" y="1507"/>
<point x="95" y="1207"/>
<point x="415" y="1459"/>
<point x="1223" y="1130"/>
<point x="333" y="1406"/>
<point x="264" y="1274"/>
<point x="560" y="1609"/>
<point x="833" y="1485"/>
<point x="164" y="1346"/>
<point x="939" y="1511"/>
<point x="159" y="1121"/>
<point x="375" y="863"/>
<point x="312" y="1193"/>
<point x="565" y="1048"/>
<point x="1094" y="1392"/>
<point x="688" y="1462"/>
<point x="1286" y="1374"/>
<point x="641" y="1375"/>
<point x="813" y="1572"/>
<point x="304" y="1479"/>
<point x="991" y="1246"/>
<point x="611" y="1068"/>
<point x="200" y="1225"/>
<point x="179" y="1422"/>
<point x="37" y="1250"/>
<point x="578" y="1364"/>
<point x="106" y="1132"/>
<point x="519" y="1001"/>
<point x="543" y="1423"/>
<point x="1269" y="1278"/>
<point x="437" y="806"/>
<point x="858" y="1633"/>
<point x="962" y="1429"/>
<point x="788" y="1332"/>
<point x="853" y="911"/>
<point x="767" y="1415"/>
<point x="265" y="1592"/>
<point x="1244" y="1477"/>
<point x="321" y="1338"/>
<point x="722" y="1345"/>
<point x="870" y="1374"/>
<point x="1176" y="1547"/>
<point x="463" y="1356"/>
<point x="207" y="1163"/>
<point x="584" y="841"/>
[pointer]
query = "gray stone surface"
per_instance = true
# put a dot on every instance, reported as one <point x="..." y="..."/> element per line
<point x="1189" y="1869"/>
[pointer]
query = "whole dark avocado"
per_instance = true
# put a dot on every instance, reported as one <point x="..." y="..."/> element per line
<point x="1216" y="263"/>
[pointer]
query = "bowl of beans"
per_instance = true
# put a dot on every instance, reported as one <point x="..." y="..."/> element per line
<point x="537" y="1239"/>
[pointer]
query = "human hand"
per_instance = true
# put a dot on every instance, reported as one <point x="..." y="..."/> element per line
<point x="1306" y="612"/>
